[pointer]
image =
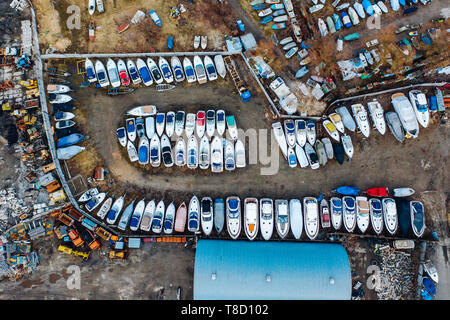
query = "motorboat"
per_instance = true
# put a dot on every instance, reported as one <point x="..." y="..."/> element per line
<point x="336" y="212"/>
<point x="63" y="124"/>
<point x="431" y="270"/>
<point x="331" y="129"/>
<point x="206" y="215"/>
<point x="193" y="215"/>
<point x="200" y="123"/>
<point x="328" y="147"/>
<point x="402" y="192"/>
<point x="58" y="88"/>
<point x="166" y="151"/>
<point x="143" y="151"/>
<point x="116" y="208"/>
<point x="189" y="70"/>
<point x="322" y="27"/>
<point x="347" y="119"/>
<point x="359" y="9"/>
<point x="160" y="121"/>
<point x="150" y="127"/>
<point x="95" y="201"/>
<point x="177" y="68"/>
<point x="233" y="216"/>
<point x="133" y="71"/>
<point x="325" y="214"/>
<point x="180" y="152"/>
<point x="140" y="128"/>
<point x="311" y="217"/>
<point x="348" y="145"/>
<point x="292" y="159"/>
<point x="280" y="138"/>
<point x="420" y="105"/>
<point x="220" y="122"/>
<point x="362" y="213"/>
<point x="216" y="154"/>
<point x="239" y="151"/>
<point x="376" y="215"/>
<point x="282" y="217"/>
<point x="158" y="217"/>
<point x="179" y="122"/>
<point x="377" y="115"/>
<point x="395" y="126"/>
<point x="406" y="114"/>
<point x="232" y="128"/>
<point x="230" y="163"/>
<point x="113" y="73"/>
<point x="199" y="70"/>
<point x="311" y="132"/>
<point x="296" y="217"/>
<point x="155" y="151"/>
<point x="190" y="124"/>
<point x="91" y="75"/>
<point x="169" y="219"/>
<point x="211" y="71"/>
<point x="67" y="153"/>
<point x="339" y="152"/>
<point x="142" y="111"/>
<point x="192" y="153"/>
<point x="165" y="70"/>
<point x="210" y="122"/>
<point x="289" y="129"/>
<point x="154" y="71"/>
<point x="132" y="152"/>
<point x="300" y="132"/>
<point x="321" y="153"/>
<point x="220" y="65"/>
<point x="102" y="76"/>
<point x="266" y="217"/>
<point x="361" y="119"/>
<point x="349" y="213"/>
<point x="312" y="156"/>
<point x="336" y="119"/>
<point x="219" y="215"/>
<point x="137" y="215"/>
<point x="302" y="159"/>
<point x="125" y="217"/>
<point x="147" y="217"/>
<point x="204" y="153"/>
<point x="378" y="192"/>
<point x="144" y="72"/>
<point x="180" y="218"/>
<point x="105" y="207"/>
<point x="390" y="215"/>
<point x="59" y="98"/>
<point x="123" y="73"/>
<point x="251" y="223"/>
<point x="353" y="16"/>
<point x="170" y="123"/>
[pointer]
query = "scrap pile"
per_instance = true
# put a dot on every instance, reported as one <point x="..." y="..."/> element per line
<point x="396" y="275"/>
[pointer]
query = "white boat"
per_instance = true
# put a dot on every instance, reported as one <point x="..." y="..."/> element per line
<point x="113" y="73"/>
<point x="265" y="12"/>
<point x="137" y="215"/>
<point x="95" y="201"/>
<point x="325" y="220"/>
<point x="251" y="224"/>
<point x="266" y="217"/>
<point x="348" y="145"/>
<point x="199" y="70"/>
<point x="155" y="151"/>
<point x="349" y="213"/>
<point x="347" y="119"/>
<point x="377" y="115"/>
<point x="337" y="121"/>
<point x="321" y="154"/>
<point x="192" y="153"/>
<point x="300" y="132"/>
<point x="232" y="128"/>
<point x="239" y="151"/>
<point x="91" y="7"/>
<point x="233" y="216"/>
<point x="150" y="127"/>
<point x="406" y="114"/>
<point x="302" y="160"/>
<point x="312" y="156"/>
<point x="200" y="123"/>
<point x="160" y="121"/>
<point x="204" y="42"/>
<point x="220" y="122"/>
<point x="143" y="151"/>
<point x="211" y="71"/>
<point x="90" y="71"/>
<point x="204" y="153"/>
<point x="194" y="215"/>
<point x="133" y="71"/>
<point x="311" y="217"/>
<point x="67" y="153"/>
<point x="158" y="217"/>
<point x="177" y="68"/>
<point x="362" y="213"/>
<point x="58" y="88"/>
<point x="196" y="42"/>
<point x="220" y="65"/>
<point x="126" y="215"/>
<point x="362" y="121"/>
<point x="328" y="147"/>
<point x="180" y="152"/>
<point x="190" y="124"/>
<point x="64" y="124"/>
<point x="420" y="105"/>
<point x="289" y="129"/>
<point x="169" y="219"/>
<point x="395" y="126"/>
<point x="279" y="137"/>
<point x="376" y="215"/>
<point x="216" y="154"/>
<point x="189" y="70"/>
<point x="331" y="129"/>
<point x="282" y="217"/>
<point x="179" y="122"/>
<point x="282" y="18"/>
<point x="359" y="9"/>
<point x="105" y="207"/>
<point x="286" y="40"/>
<point x="147" y="217"/>
<point x="322" y="27"/>
<point x="180" y="218"/>
<point x="132" y="153"/>
<point x="59" y="98"/>
<point x="390" y="215"/>
<point x="430" y="269"/>
<point x="166" y="151"/>
<point x="296" y="217"/>
<point x="353" y="16"/>
<point x="417" y="218"/>
<point x="170" y="123"/>
<point x="114" y="213"/>
<point x="210" y="122"/>
<point x="206" y="215"/>
<point x="102" y="76"/>
<point x="143" y="111"/>
<point x="402" y="192"/>
<point x="311" y="132"/>
<point x="100" y="7"/>
<point x="229" y="161"/>
<point x="165" y="70"/>
<point x="315" y="8"/>
<point x="336" y="212"/>
<point x="144" y="72"/>
<point x="154" y="71"/>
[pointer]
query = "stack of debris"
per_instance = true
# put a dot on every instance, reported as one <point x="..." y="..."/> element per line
<point x="11" y="205"/>
<point x="396" y="275"/>
<point x="27" y="41"/>
<point x="19" y="4"/>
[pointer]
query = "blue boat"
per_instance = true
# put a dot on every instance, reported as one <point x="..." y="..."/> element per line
<point x="429" y="286"/>
<point x="425" y="295"/>
<point x="301" y="72"/>
<point x="367" y="7"/>
<point x="69" y="140"/>
<point x="155" y="17"/>
<point x="143" y="154"/>
<point x="279" y="26"/>
<point x="241" y="25"/>
<point x="277" y="6"/>
<point x="337" y="22"/>
<point x="261" y="6"/>
<point x="402" y="2"/>
<point x="170" y="43"/>
<point x="266" y="20"/>
<point x="347" y="191"/>
<point x="346" y="19"/>
<point x="339" y="152"/>
<point x="432" y="103"/>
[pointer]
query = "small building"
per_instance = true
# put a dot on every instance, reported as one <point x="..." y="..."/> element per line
<point x="258" y="270"/>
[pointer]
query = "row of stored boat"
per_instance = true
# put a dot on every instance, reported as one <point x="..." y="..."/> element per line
<point x="199" y="142"/>
<point x="149" y="72"/>
<point x="264" y="215"/>
<point x="272" y="11"/>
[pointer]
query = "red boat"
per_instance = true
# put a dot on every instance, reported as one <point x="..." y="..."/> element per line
<point x="378" y="192"/>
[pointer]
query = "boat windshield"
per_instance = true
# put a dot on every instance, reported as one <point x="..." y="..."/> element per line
<point x="230" y="120"/>
<point x="220" y="116"/>
<point x="168" y="224"/>
<point x="301" y="125"/>
<point x="133" y="73"/>
<point x="154" y="154"/>
<point x="169" y="118"/>
<point x="156" y="74"/>
<point x="144" y="74"/>
<point x="165" y="69"/>
<point x="337" y="204"/>
<point x="101" y="76"/>
<point x="159" y="118"/>
<point x="200" y="70"/>
<point x="376" y="205"/>
<point x="113" y="76"/>
<point x="121" y="133"/>
<point x="211" y="69"/>
<point x="90" y="73"/>
<point x="266" y="211"/>
<point x="290" y="126"/>
<point x="179" y="116"/>
<point x="189" y="71"/>
<point x="350" y="202"/>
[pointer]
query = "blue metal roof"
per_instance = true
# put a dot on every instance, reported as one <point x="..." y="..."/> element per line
<point x="239" y="270"/>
